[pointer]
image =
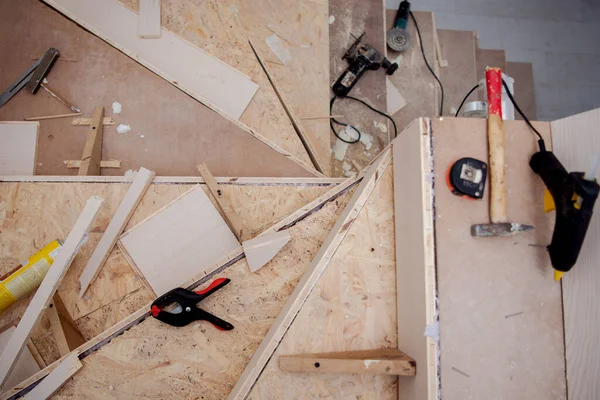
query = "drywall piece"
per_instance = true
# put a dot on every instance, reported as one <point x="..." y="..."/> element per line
<point x="178" y="241"/>
<point x="51" y="383"/>
<point x="132" y="198"/>
<point x="25" y="366"/>
<point x="207" y="79"/>
<point x="415" y="257"/>
<point x="395" y="100"/>
<point x="314" y="271"/>
<point x="380" y="361"/>
<point x="262" y="249"/>
<point x="18" y="147"/>
<point x="575" y="140"/>
<point x="46" y="290"/>
<point x="149" y="21"/>
<point x="92" y="150"/>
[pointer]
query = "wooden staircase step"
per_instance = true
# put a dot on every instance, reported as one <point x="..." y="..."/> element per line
<point x="459" y="49"/>
<point x="524" y="94"/>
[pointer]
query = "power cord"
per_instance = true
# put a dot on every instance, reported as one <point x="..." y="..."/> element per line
<point x="465" y="99"/>
<point x="427" y="63"/>
<point x="333" y="120"/>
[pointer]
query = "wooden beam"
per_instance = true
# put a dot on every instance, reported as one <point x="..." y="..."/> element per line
<point x="92" y="150"/>
<point x="51" y="383"/>
<point x="68" y="328"/>
<point x="314" y="271"/>
<point x="73" y="164"/>
<point x="132" y="198"/>
<point x="57" y="330"/>
<point x="226" y="209"/>
<point x="415" y="257"/>
<point x="49" y="285"/>
<point x="312" y="153"/>
<point x="380" y="361"/>
<point x="88" y="121"/>
<point x="149" y="19"/>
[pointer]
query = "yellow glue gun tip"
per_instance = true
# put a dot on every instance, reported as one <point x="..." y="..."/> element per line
<point x="558" y="275"/>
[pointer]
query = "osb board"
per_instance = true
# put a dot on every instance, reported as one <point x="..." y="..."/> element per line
<point x="413" y="79"/>
<point x="155" y="360"/>
<point x="524" y="94"/>
<point x="352" y="307"/>
<point x="32" y="214"/>
<point x="170" y="131"/>
<point x="501" y="320"/>
<point x="458" y="48"/>
<point x="223" y="28"/>
<point x="353" y="17"/>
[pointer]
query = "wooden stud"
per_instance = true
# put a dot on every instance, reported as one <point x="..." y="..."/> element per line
<point x="92" y="150"/>
<point x="314" y="271"/>
<point x="51" y="383"/>
<point x="88" y="121"/>
<point x="73" y="164"/>
<point x="226" y="209"/>
<point x="149" y="19"/>
<point x="57" y="330"/>
<point x="381" y="361"/>
<point x="132" y="198"/>
<point x="72" y="335"/>
<point x="49" y="285"/>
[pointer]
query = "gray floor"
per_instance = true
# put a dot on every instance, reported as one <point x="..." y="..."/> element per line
<point x="561" y="40"/>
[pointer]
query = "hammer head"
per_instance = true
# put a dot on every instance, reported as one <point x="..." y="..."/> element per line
<point x="499" y="229"/>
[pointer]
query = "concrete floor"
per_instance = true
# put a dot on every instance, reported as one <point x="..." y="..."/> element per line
<point x="560" y="40"/>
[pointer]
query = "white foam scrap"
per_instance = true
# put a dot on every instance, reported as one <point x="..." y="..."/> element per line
<point x="130" y="173"/>
<point x="340" y="147"/>
<point x="349" y="174"/>
<point x="117" y="107"/>
<point x="381" y="126"/>
<point x="346" y="166"/>
<point x="331" y="19"/>
<point x="278" y="47"/>
<point x="142" y="136"/>
<point x="45" y="81"/>
<point x="122" y="128"/>
<point x="369" y="362"/>
<point x="367" y="140"/>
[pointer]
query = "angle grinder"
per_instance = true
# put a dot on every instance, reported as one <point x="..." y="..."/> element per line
<point x="398" y="38"/>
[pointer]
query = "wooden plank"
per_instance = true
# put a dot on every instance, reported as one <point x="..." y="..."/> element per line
<point x="46" y="290"/>
<point x="70" y="330"/>
<point x="64" y="371"/>
<point x="57" y="330"/>
<point x="51" y="117"/>
<point x="524" y="94"/>
<point x="225" y="208"/>
<point x="499" y="307"/>
<point x="92" y="150"/>
<point x="73" y="164"/>
<point x="207" y="79"/>
<point x="88" y="121"/>
<point x="309" y="279"/>
<point x="26" y="364"/>
<point x="149" y="19"/>
<point x="262" y="249"/>
<point x="180" y="179"/>
<point x="380" y="361"/>
<point x="575" y="141"/>
<point x="18" y="147"/>
<point x="178" y="241"/>
<point x="134" y="195"/>
<point x="415" y="258"/>
<point x="319" y="164"/>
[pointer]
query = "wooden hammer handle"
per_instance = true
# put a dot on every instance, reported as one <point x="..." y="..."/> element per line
<point x="495" y="133"/>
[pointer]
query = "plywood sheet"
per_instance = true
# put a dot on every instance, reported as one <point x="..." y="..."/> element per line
<point x="575" y="141"/>
<point x="500" y="310"/>
<point x="203" y="77"/>
<point x="177" y="242"/>
<point x="18" y="147"/>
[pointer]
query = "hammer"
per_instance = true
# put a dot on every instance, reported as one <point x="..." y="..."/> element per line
<point x="499" y="225"/>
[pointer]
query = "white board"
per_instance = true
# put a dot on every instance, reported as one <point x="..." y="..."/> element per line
<point x="191" y="69"/>
<point x="18" y="144"/>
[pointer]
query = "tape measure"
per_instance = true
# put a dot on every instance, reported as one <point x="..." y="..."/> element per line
<point x="466" y="177"/>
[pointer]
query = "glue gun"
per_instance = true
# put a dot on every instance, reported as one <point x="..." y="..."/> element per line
<point x="573" y="196"/>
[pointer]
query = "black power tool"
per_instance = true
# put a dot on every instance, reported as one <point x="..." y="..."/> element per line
<point x="361" y="57"/>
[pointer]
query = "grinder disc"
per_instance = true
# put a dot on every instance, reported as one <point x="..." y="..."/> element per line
<point x="398" y="39"/>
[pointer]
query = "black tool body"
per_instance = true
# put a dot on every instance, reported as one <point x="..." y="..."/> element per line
<point x="571" y="222"/>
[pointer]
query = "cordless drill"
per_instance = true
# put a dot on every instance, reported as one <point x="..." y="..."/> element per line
<point x="361" y="57"/>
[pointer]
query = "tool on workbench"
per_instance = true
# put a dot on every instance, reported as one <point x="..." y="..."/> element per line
<point x="33" y="79"/>
<point x="499" y="225"/>
<point x="398" y="38"/>
<point x="26" y="277"/>
<point x="573" y="196"/>
<point x="187" y="310"/>
<point x="466" y="177"/>
<point x="361" y="57"/>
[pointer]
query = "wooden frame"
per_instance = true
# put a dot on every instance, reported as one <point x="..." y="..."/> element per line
<point x="65" y="370"/>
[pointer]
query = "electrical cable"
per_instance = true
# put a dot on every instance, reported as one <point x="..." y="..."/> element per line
<point x="333" y="120"/>
<point x="541" y="141"/>
<point x="465" y="99"/>
<point x="427" y="63"/>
